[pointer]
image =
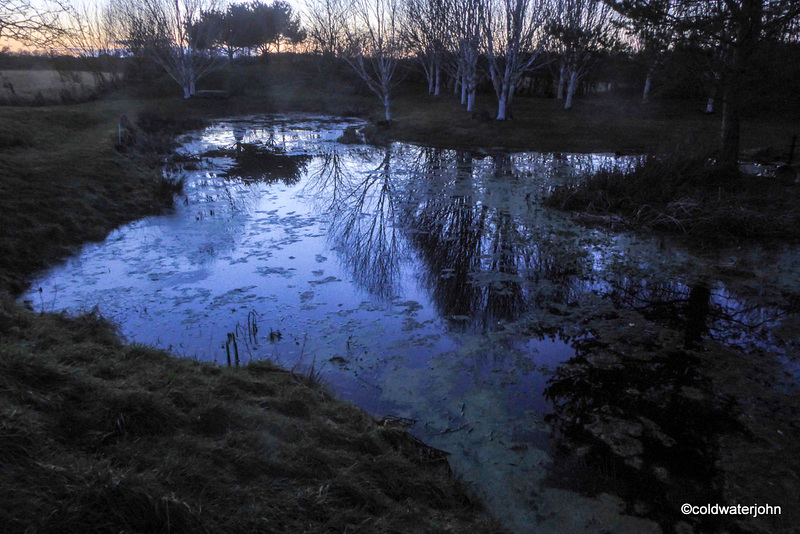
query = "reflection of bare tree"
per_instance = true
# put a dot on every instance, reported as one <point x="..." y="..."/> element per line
<point x="699" y="310"/>
<point x="362" y="209"/>
<point x="469" y="249"/>
<point x="328" y="180"/>
<point x="484" y="261"/>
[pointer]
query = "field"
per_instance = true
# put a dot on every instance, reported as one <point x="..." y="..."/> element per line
<point x="44" y="86"/>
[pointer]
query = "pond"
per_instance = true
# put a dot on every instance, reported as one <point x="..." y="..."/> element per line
<point x="432" y="285"/>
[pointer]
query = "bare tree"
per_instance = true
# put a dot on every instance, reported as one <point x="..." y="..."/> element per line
<point x="170" y="34"/>
<point x="649" y="26"/>
<point x="89" y="34"/>
<point x="32" y="22"/>
<point x="583" y="28"/>
<point x="374" y="45"/>
<point x="424" y="31"/>
<point x="326" y="21"/>
<point x="513" y="39"/>
<point x="465" y="33"/>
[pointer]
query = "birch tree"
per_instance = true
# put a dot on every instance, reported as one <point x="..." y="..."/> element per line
<point x="583" y="28"/>
<point x="465" y="33"/>
<point x="424" y="31"/>
<point x="169" y="33"/>
<point x="89" y="34"/>
<point x="374" y="46"/>
<point x="513" y="40"/>
<point x="650" y="26"/>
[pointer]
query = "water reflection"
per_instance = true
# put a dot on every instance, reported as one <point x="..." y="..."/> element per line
<point x="468" y="248"/>
<point x="702" y="310"/>
<point x="261" y="162"/>
<point x="359" y="198"/>
<point x="640" y="425"/>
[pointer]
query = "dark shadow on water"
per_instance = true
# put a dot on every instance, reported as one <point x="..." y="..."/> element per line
<point x="262" y="163"/>
<point x="644" y="425"/>
<point x="701" y="310"/>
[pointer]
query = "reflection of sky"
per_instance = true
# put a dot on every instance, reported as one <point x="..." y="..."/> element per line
<point x="295" y="256"/>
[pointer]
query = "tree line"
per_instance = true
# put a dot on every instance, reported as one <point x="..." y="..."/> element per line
<point x="516" y="37"/>
<point x="458" y="43"/>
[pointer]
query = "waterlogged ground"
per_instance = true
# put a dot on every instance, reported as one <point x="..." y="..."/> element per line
<point x="581" y="380"/>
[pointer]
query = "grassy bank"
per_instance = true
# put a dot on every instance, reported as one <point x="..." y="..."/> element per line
<point x="97" y="436"/>
<point x="593" y="125"/>
<point x="687" y="195"/>
<point x="64" y="183"/>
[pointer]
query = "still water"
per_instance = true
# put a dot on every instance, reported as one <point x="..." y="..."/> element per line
<point x="420" y="283"/>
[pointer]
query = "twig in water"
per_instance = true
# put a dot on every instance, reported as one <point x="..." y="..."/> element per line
<point x="252" y="326"/>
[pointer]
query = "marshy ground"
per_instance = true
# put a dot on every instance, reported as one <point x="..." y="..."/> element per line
<point x="97" y="434"/>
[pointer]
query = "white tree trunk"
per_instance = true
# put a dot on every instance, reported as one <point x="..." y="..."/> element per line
<point x="464" y="90"/>
<point x="471" y="100"/>
<point x="562" y="73"/>
<point x="429" y="74"/>
<point x="438" y="86"/>
<point x="648" y="82"/>
<point x="573" y="83"/>
<point x="386" y="106"/>
<point x="710" y="105"/>
<point x="502" y="104"/>
<point x="187" y="93"/>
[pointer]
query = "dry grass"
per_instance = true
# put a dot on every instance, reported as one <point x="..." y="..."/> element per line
<point x="97" y="436"/>
<point x="41" y="86"/>
<point x="595" y="124"/>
